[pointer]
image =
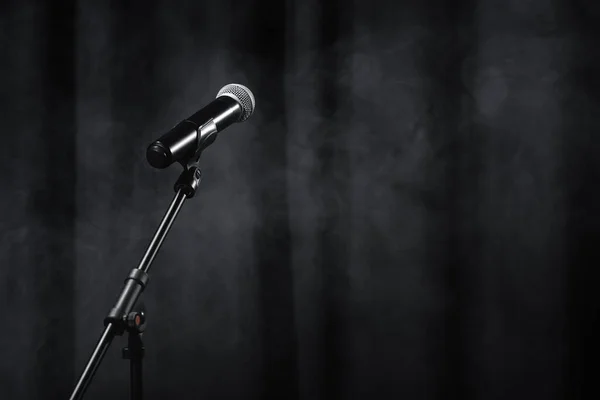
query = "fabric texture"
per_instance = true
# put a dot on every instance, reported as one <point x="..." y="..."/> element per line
<point x="411" y="212"/>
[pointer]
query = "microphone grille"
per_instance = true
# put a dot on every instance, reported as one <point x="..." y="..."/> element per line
<point x="242" y="95"/>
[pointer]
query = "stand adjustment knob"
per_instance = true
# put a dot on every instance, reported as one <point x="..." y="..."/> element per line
<point x="136" y="320"/>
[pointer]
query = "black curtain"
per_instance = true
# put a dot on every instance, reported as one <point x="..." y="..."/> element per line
<point x="411" y="212"/>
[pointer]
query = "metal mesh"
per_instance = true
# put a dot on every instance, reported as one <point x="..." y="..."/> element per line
<point x="241" y="94"/>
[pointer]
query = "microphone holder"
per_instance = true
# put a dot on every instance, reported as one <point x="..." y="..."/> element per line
<point x="122" y="316"/>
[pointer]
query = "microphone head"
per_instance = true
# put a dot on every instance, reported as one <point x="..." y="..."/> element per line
<point x="242" y="95"/>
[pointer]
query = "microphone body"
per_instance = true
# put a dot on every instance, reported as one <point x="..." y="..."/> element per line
<point x="234" y="103"/>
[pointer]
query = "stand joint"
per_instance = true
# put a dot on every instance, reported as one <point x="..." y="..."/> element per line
<point x="189" y="180"/>
<point x="135" y="284"/>
<point x="135" y="326"/>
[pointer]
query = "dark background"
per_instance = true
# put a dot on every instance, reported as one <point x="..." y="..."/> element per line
<point x="411" y="213"/>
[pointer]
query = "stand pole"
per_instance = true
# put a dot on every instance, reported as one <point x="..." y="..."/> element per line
<point x="135" y="349"/>
<point x="92" y="365"/>
<point x="116" y="321"/>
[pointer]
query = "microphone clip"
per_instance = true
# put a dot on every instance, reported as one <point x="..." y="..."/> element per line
<point x="189" y="180"/>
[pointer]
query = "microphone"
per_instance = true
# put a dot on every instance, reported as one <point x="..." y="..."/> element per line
<point x="234" y="103"/>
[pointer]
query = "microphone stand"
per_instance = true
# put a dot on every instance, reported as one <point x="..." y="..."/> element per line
<point x="121" y="317"/>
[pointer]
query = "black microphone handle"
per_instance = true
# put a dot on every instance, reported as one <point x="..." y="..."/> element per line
<point x="223" y="110"/>
<point x="183" y="141"/>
